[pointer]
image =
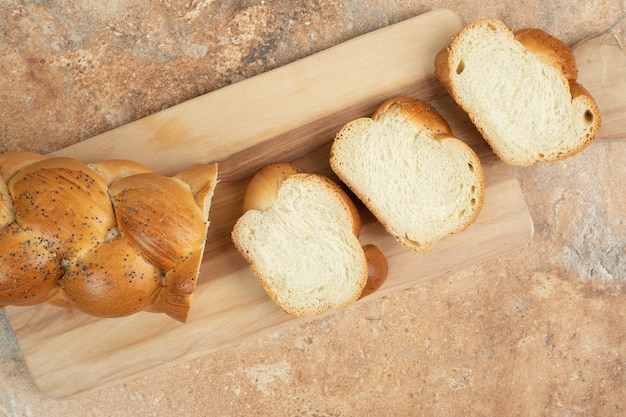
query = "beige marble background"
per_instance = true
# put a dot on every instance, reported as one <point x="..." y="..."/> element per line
<point x="540" y="332"/>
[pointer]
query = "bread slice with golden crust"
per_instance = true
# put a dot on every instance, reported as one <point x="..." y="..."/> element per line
<point x="300" y="235"/>
<point x="421" y="182"/>
<point x="520" y="90"/>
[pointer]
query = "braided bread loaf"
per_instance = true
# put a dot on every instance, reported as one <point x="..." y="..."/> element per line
<point x="109" y="239"/>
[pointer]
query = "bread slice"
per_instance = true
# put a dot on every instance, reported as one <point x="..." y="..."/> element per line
<point x="299" y="234"/>
<point x="520" y="90"/>
<point x="420" y="181"/>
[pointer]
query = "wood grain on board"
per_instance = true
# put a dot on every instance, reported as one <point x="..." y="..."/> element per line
<point x="602" y="71"/>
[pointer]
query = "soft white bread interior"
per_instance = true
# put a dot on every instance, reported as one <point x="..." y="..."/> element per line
<point x="300" y="235"/>
<point x="520" y="90"/>
<point x="420" y="181"/>
<point x="109" y="239"/>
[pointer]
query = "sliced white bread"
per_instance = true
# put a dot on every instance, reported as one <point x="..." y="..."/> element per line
<point x="404" y="164"/>
<point x="520" y="90"/>
<point x="299" y="234"/>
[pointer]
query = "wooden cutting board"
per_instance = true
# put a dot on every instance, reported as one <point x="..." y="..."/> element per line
<point x="602" y="70"/>
<point x="288" y="114"/>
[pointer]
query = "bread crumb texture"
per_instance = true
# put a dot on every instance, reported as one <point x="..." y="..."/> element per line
<point x="519" y="95"/>
<point x="303" y="248"/>
<point x="420" y="186"/>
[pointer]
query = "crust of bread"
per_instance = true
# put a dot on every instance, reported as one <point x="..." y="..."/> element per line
<point x="12" y="162"/>
<point x="115" y="169"/>
<point x="262" y="189"/>
<point x="202" y="180"/>
<point x="549" y="50"/>
<point x="166" y="229"/>
<point x="7" y="212"/>
<point x="377" y="269"/>
<point x="38" y="268"/>
<point x="64" y="202"/>
<point x="420" y="113"/>
<point x="109" y="239"/>
<point x="92" y="284"/>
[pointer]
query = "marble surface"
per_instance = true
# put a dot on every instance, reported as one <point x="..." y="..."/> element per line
<point x="540" y="332"/>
